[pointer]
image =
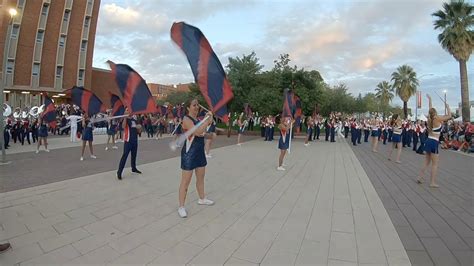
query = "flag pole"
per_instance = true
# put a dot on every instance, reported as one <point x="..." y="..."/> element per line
<point x="182" y="138"/>
<point x="289" y="143"/>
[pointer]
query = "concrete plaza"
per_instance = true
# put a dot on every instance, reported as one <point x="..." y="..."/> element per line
<point x="322" y="210"/>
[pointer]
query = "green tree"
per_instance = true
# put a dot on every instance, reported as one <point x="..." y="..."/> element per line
<point x="178" y="97"/>
<point x="456" y="21"/>
<point x="405" y="84"/>
<point x="384" y="93"/>
<point x="243" y="76"/>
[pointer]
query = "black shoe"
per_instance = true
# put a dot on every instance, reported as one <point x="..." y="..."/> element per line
<point x="119" y="176"/>
<point x="136" y="171"/>
<point x="4" y="247"/>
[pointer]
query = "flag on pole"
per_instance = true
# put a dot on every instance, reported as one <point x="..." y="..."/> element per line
<point x="206" y="67"/>
<point x="86" y="100"/>
<point x="418" y="99"/>
<point x="49" y="113"/>
<point x="289" y="107"/>
<point x="117" y="105"/>
<point x="135" y="93"/>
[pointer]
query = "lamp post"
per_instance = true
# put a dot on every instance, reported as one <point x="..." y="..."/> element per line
<point x="445" y="111"/>
<point x="6" y="46"/>
<point x="416" y="95"/>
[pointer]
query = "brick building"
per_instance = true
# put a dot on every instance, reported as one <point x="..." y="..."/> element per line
<point x="160" y="91"/>
<point x="50" y="48"/>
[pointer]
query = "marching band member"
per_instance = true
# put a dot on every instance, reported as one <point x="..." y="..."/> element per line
<point x="111" y="131"/>
<point x="284" y="141"/>
<point x="332" y="128"/>
<point x="193" y="158"/>
<point x="374" y="134"/>
<point x="359" y="132"/>
<point x="353" y="132"/>
<point x="317" y="127"/>
<point x="241" y="128"/>
<point x="87" y="136"/>
<point x="309" y="130"/>
<point x="130" y="145"/>
<point x="25" y="131"/>
<point x="416" y="133"/>
<point x="423" y="137"/>
<point x="366" y="130"/>
<point x="43" y="135"/>
<point x="73" y="119"/>
<point x="397" y="127"/>
<point x="6" y="134"/>
<point x="435" y="123"/>
<point x="346" y="128"/>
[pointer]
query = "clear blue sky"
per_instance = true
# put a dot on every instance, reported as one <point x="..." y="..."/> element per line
<point x="359" y="43"/>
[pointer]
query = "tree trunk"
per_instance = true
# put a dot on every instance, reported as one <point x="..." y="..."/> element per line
<point x="405" y="109"/>
<point x="465" y="106"/>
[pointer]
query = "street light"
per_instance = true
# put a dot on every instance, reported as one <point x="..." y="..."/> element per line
<point x="416" y="95"/>
<point x="445" y="111"/>
<point x="6" y="45"/>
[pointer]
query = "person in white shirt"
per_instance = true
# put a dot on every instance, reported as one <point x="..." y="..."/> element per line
<point x="73" y="120"/>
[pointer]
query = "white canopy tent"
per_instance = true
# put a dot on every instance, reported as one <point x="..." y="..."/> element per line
<point x="422" y="117"/>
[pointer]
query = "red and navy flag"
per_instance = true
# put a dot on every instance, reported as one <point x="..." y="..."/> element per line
<point x="135" y="93"/>
<point x="87" y="100"/>
<point x="206" y="67"/>
<point x="298" y="110"/>
<point x="288" y="104"/>
<point x="178" y="111"/>
<point x="162" y="110"/>
<point x="49" y="113"/>
<point x="247" y="110"/>
<point x="117" y="105"/>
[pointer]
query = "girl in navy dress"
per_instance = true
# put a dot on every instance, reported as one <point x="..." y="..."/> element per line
<point x="111" y="131"/>
<point x="241" y="128"/>
<point x="210" y="136"/>
<point x="193" y="157"/>
<point x="374" y="134"/>
<point x="284" y="141"/>
<point x="435" y="123"/>
<point x="396" y="125"/>
<point x="42" y="135"/>
<point x="87" y="136"/>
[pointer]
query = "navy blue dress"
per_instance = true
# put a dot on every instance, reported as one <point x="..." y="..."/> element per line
<point x="284" y="145"/>
<point x="87" y="133"/>
<point x="43" y="130"/>
<point x="195" y="157"/>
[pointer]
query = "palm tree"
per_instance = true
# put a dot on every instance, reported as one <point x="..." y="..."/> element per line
<point x="405" y="84"/>
<point x="456" y="21"/>
<point x="384" y="93"/>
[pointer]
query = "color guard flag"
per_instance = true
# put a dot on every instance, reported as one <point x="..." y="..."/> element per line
<point x="162" y="110"/>
<point x="87" y="100"/>
<point x="298" y="110"/>
<point x="206" y="67"/>
<point x="288" y="104"/>
<point x="247" y="110"/>
<point x="135" y="93"/>
<point x="117" y="105"/>
<point x="418" y="99"/>
<point x="49" y="113"/>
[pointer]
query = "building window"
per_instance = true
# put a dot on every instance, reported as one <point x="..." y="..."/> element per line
<point x="81" y="74"/>
<point x="59" y="71"/>
<point x="40" y="36"/>
<point x="10" y="65"/>
<point x="36" y="68"/>
<point x="86" y="22"/>
<point x="15" y="30"/>
<point x="44" y="11"/>
<point x="66" y="16"/>
<point x="83" y="46"/>
<point x="62" y="41"/>
<point x="21" y="4"/>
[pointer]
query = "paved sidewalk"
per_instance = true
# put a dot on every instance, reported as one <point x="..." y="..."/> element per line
<point x="436" y="226"/>
<point x="322" y="210"/>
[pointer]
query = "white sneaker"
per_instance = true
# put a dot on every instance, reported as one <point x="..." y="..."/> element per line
<point x="208" y="156"/>
<point x="280" y="168"/>
<point x="37" y="151"/>
<point x="93" y="157"/>
<point x="114" y="147"/>
<point x="47" y="150"/>
<point x="82" y="158"/>
<point x="239" y="144"/>
<point x="182" y="212"/>
<point x="205" y="201"/>
<point x="106" y="148"/>
<point x="306" y="144"/>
